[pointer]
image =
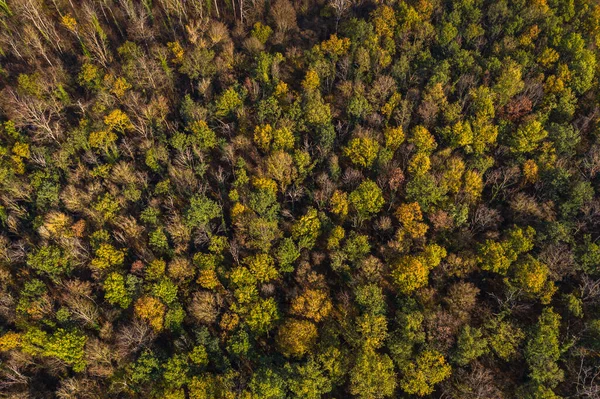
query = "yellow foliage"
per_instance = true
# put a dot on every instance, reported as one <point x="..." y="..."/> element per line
<point x="118" y="120"/>
<point x="410" y="216"/>
<point x="419" y="164"/>
<point x="335" y="46"/>
<point x="263" y="135"/>
<point x="312" y="81"/>
<point x="102" y="139"/>
<point x="208" y="279"/>
<point x="362" y="151"/>
<point x="530" y="171"/>
<point x="554" y="85"/>
<point x="89" y="73"/>
<point x="238" y="210"/>
<point x="339" y="203"/>
<point x="263" y="183"/>
<point x="548" y="57"/>
<point x="473" y="185"/>
<point x="390" y="105"/>
<point x="423" y="139"/>
<point x="177" y="52"/>
<point x="529" y="36"/>
<point x="384" y="19"/>
<point x="296" y="337"/>
<point x="21" y="150"/>
<point x="394" y="137"/>
<point x="281" y="89"/>
<point x="10" y="340"/>
<point x="337" y="234"/>
<point x="120" y="86"/>
<point x="410" y="274"/>
<point x="68" y="22"/>
<point x="453" y="173"/>
<point x="312" y="304"/>
<point x="151" y="310"/>
<point x="283" y="139"/>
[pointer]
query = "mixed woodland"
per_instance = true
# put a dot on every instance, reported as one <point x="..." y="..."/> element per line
<point x="269" y="199"/>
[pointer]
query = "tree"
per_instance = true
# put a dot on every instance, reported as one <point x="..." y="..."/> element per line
<point x="151" y="310"/>
<point x="394" y="137"/>
<point x="411" y="218"/>
<point x="531" y="276"/>
<point x="509" y="82"/>
<point x="372" y="375"/>
<point x="263" y="267"/>
<point x="429" y="369"/>
<point x="309" y="380"/>
<point x="423" y="140"/>
<point x="543" y="351"/>
<point x="367" y="199"/>
<point x="50" y="260"/>
<point x="362" y="151"/>
<point x="201" y="211"/>
<point x="267" y="383"/>
<point x="115" y="290"/>
<point x="296" y="337"/>
<point x="527" y="137"/>
<point x="262" y="316"/>
<point x="313" y="304"/>
<point x="504" y="338"/>
<point x="412" y="272"/>
<point x="409" y="274"/>
<point x="339" y="203"/>
<point x="307" y="229"/>
<point x="470" y="345"/>
<point x="229" y="101"/>
<point x="284" y="15"/>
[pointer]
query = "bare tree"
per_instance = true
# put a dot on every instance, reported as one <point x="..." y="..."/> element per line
<point x="340" y="7"/>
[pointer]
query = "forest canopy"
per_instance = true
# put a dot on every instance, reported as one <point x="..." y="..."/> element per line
<point x="299" y="199"/>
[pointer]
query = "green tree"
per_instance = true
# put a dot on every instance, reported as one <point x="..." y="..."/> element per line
<point x="428" y="369"/>
<point x="309" y="380"/>
<point x="367" y="199"/>
<point x="470" y="345"/>
<point x="307" y="229"/>
<point x="543" y="350"/>
<point x="201" y="211"/>
<point x="115" y="291"/>
<point x="372" y="375"/>
<point x="362" y="151"/>
<point x="50" y="260"/>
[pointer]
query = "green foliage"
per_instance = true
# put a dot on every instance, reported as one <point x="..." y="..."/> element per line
<point x="372" y="375"/>
<point x="201" y="211"/>
<point x="268" y="384"/>
<point x="504" y="338"/>
<point x="420" y="377"/>
<point x="67" y="346"/>
<point x="543" y="351"/>
<point x="287" y="253"/>
<point x="367" y="199"/>
<point x="527" y="137"/>
<point x="470" y="345"/>
<point x="262" y="316"/>
<point x="115" y="291"/>
<point x="309" y="380"/>
<point x="50" y="260"/>
<point x="228" y="102"/>
<point x="362" y="151"/>
<point x="310" y="199"/>
<point x="307" y="229"/>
